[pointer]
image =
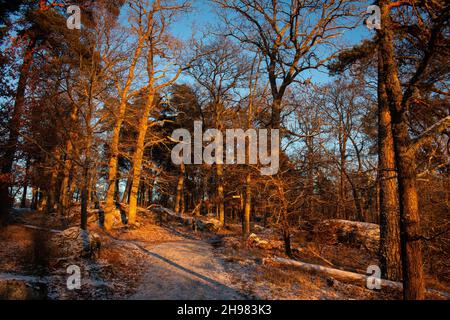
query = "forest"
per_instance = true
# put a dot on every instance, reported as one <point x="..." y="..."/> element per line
<point x="224" y="149"/>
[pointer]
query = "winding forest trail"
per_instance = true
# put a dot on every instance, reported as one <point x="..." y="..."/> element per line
<point x="168" y="262"/>
<point x="180" y="267"/>
<point x="184" y="270"/>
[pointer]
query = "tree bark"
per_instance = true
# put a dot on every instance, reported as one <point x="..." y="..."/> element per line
<point x="220" y="197"/>
<point x="360" y="216"/>
<point x="126" y="193"/>
<point x="52" y="187"/>
<point x="85" y="194"/>
<point x="413" y="278"/>
<point x="112" y="172"/>
<point x="64" y="192"/>
<point x="23" y="202"/>
<point x="287" y="242"/>
<point x="114" y="144"/>
<point x="390" y="257"/>
<point x="138" y="155"/>
<point x="342" y="213"/>
<point x="62" y="205"/>
<point x="248" y="189"/>
<point x="276" y="113"/>
<point x="72" y="186"/>
<point x="310" y="179"/>
<point x="247" y="205"/>
<point x="180" y="191"/>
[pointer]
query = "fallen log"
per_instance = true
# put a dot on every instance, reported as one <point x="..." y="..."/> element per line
<point x="166" y="215"/>
<point x="28" y="226"/>
<point x="347" y="276"/>
<point x="342" y="275"/>
<point x="197" y="222"/>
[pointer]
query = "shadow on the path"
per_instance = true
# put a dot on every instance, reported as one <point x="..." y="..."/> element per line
<point x="216" y="284"/>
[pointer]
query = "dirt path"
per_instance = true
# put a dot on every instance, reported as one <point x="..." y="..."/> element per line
<point x="177" y="267"/>
<point x="184" y="270"/>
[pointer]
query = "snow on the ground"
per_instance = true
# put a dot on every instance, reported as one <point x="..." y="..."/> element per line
<point x="171" y="261"/>
<point x="183" y="271"/>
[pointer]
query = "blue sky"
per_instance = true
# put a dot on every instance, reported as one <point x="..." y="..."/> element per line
<point x="202" y="15"/>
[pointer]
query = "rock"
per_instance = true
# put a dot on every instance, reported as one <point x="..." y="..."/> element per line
<point x="76" y="242"/>
<point x="357" y="234"/>
<point x="258" y="228"/>
<point x="17" y="289"/>
<point x="211" y="224"/>
<point x="167" y="215"/>
<point x="253" y="240"/>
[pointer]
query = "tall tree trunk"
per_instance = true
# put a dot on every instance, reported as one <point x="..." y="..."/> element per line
<point x="114" y="144"/>
<point x="85" y="194"/>
<point x="342" y="171"/>
<point x="276" y="113"/>
<point x="23" y="202"/>
<point x="72" y="185"/>
<point x="248" y="189"/>
<point x="34" y="199"/>
<point x="360" y="216"/>
<point x="86" y="184"/>
<point x="92" y="180"/>
<point x="150" y="194"/>
<point x="287" y="242"/>
<point x="63" y="198"/>
<point x="413" y="278"/>
<point x="220" y="208"/>
<point x="180" y="190"/>
<point x="14" y="126"/>
<point x="342" y="194"/>
<point x="247" y="205"/>
<point x="183" y="202"/>
<point x="390" y="257"/>
<point x="126" y="193"/>
<point x="42" y="203"/>
<point x="310" y="178"/>
<point x="220" y="196"/>
<point x="63" y="192"/>
<point x="52" y="187"/>
<point x="138" y="155"/>
<point x="112" y="170"/>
